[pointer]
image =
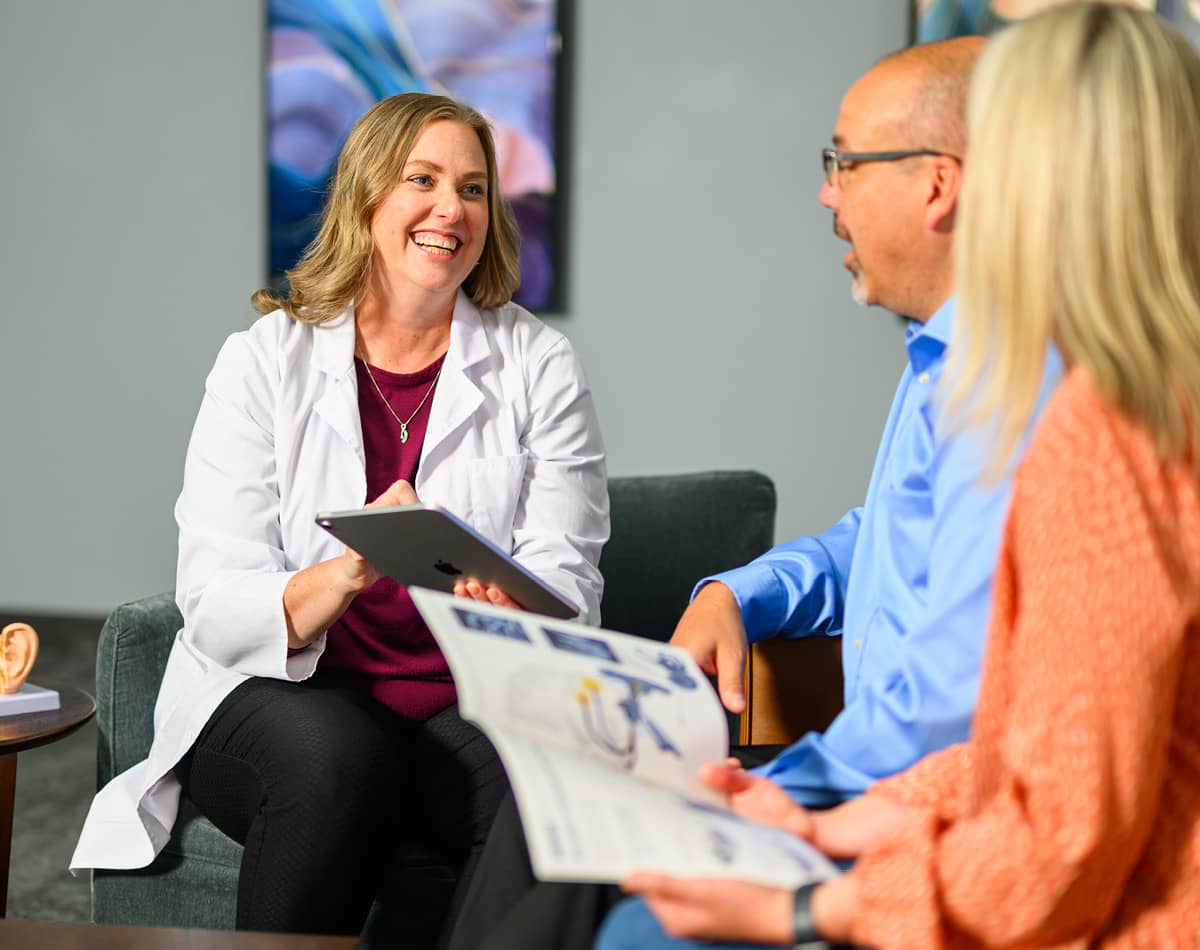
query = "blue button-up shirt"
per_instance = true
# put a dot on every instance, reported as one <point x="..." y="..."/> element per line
<point x="906" y="579"/>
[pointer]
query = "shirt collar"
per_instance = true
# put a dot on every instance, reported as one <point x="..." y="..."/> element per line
<point x="926" y="342"/>
<point x="333" y="341"/>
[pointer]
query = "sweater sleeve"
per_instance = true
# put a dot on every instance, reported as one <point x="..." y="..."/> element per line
<point x="940" y="782"/>
<point x="1074" y="723"/>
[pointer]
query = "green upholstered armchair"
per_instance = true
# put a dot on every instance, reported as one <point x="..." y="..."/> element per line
<point x="667" y="532"/>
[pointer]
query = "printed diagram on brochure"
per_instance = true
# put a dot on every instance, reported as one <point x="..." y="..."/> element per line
<point x="604" y="712"/>
<point x="602" y="734"/>
<point x="606" y="709"/>
<point x="618" y="736"/>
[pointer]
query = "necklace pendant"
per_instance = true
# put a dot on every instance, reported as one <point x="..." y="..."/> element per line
<point x="403" y="433"/>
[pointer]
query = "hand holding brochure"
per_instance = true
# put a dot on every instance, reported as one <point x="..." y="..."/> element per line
<point x="602" y="735"/>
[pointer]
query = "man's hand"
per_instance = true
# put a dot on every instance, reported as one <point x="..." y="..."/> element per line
<point x="711" y="630"/>
<point x="758" y="798"/>
<point x="716" y="909"/>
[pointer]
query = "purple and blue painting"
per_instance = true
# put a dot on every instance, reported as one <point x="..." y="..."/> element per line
<point x="331" y="60"/>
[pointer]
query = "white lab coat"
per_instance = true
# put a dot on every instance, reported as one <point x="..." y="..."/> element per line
<point x="512" y="447"/>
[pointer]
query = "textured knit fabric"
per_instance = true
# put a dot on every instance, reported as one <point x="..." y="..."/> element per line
<point x="1071" y="818"/>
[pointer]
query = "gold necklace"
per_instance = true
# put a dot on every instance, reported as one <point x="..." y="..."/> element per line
<point x="403" y="422"/>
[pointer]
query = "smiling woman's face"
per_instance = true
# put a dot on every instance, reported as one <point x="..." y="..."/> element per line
<point x="429" y="231"/>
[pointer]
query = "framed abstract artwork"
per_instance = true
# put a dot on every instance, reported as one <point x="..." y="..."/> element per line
<point x="329" y="61"/>
<point x="941" y="19"/>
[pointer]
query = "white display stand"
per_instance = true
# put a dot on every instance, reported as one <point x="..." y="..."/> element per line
<point x="28" y="698"/>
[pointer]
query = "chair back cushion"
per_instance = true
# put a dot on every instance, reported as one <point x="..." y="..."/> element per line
<point x="668" y="531"/>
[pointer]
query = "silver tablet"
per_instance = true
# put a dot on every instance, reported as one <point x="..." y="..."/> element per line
<point x="426" y="546"/>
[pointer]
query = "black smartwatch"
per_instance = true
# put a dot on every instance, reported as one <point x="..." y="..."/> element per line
<point x="804" y="928"/>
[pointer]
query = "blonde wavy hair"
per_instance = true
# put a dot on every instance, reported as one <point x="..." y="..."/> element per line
<point x="1080" y="223"/>
<point x="335" y="267"/>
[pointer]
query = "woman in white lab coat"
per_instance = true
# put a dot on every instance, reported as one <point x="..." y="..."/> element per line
<point x="305" y="708"/>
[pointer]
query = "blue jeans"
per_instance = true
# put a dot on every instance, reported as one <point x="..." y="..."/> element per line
<point x="631" y="926"/>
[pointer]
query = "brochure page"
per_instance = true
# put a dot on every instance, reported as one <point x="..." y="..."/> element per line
<point x="602" y="735"/>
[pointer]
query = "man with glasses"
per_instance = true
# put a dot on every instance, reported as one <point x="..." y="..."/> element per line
<point x="906" y="578"/>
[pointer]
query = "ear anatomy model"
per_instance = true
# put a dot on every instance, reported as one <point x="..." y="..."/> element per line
<point x="18" y="650"/>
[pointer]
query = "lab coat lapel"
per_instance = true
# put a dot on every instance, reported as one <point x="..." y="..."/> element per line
<point x="333" y="355"/>
<point x="457" y="396"/>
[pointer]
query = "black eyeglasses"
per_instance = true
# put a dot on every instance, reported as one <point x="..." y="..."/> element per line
<point x="832" y="159"/>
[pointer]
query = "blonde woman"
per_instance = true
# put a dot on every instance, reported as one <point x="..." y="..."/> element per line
<point x="1071" y="818"/>
<point x="305" y="708"/>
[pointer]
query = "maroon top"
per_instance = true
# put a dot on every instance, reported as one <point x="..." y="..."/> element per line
<point x="381" y="644"/>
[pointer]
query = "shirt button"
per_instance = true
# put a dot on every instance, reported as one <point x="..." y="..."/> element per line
<point x="923" y="378"/>
<point x="858" y="643"/>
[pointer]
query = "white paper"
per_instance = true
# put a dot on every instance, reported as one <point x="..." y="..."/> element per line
<point x="602" y="735"/>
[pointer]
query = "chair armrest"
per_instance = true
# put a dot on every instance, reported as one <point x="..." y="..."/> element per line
<point x="130" y="659"/>
<point x="793" y="686"/>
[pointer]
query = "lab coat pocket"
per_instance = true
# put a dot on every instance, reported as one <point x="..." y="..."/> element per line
<point x="496" y="485"/>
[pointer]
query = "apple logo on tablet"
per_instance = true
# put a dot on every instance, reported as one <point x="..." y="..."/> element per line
<point x="446" y="567"/>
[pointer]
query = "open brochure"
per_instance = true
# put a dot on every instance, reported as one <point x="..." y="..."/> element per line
<point x="602" y="735"/>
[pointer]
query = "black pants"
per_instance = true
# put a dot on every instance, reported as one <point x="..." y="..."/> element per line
<point x="505" y="907"/>
<point x="328" y="790"/>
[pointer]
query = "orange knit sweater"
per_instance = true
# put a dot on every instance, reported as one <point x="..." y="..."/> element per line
<point x="1071" y="818"/>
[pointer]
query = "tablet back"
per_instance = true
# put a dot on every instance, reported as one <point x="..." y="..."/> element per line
<point x="427" y="546"/>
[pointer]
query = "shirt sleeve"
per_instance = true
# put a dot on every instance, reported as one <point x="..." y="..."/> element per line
<point x="232" y="568"/>
<point x="798" y="588"/>
<point x="1075" y="719"/>
<point x="920" y="697"/>
<point x="939" y="782"/>
<point x="562" y="517"/>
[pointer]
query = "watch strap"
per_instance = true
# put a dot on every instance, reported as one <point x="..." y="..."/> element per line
<point x="804" y="928"/>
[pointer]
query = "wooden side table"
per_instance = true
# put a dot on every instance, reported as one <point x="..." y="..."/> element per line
<point x="27" y="731"/>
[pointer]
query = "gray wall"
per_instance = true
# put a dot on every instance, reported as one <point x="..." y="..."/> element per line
<point x="706" y="291"/>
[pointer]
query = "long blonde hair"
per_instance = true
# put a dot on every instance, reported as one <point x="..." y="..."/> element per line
<point x="335" y="267"/>
<point x="1080" y="222"/>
